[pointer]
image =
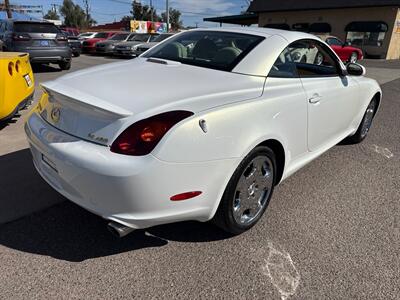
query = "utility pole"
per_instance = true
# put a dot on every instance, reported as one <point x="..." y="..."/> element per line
<point x="151" y="11"/>
<point x="167" y="13"/>
<point x="8" y="8"/>
<point x="87" y="10"/>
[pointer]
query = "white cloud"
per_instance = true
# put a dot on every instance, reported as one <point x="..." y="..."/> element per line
<point x="212" y="7"/>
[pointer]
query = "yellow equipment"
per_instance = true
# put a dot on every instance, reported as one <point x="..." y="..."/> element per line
<point x="16" y="83"/>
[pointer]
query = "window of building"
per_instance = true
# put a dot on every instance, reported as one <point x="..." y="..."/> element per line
<point x="304" y="27"/>
<point x="320" y="28"/>
<point x="366" y="33"/>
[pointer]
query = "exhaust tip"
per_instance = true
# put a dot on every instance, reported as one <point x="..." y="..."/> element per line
<point x="119" y="230"/>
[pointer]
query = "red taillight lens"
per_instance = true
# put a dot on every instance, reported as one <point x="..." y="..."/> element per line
<point x="21" y="37"/>
<point x="143" y="136"/>
<point x="61" y="38"/>
<point x="10" y="68"/>
<point x="185" y="196"/>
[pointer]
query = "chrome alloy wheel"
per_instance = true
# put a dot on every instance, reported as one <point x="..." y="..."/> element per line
<point x="353" y="57"/>
<point x="369" y="115"/>
<point x="253" y="190"/>
<point x="319" y="59"/>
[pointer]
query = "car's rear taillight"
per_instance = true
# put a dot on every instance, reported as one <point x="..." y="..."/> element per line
<point x="21" y="37"/>
<point x="143" y="136"/>
<point x="62" y="38"/>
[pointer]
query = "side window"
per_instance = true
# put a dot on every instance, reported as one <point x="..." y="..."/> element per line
<point x="334" y="42"/>
<point x="284" y="66"/>
<point x="313" y="59"/>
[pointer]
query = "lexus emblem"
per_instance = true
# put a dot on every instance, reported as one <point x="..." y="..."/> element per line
<point x="55" y="114"/>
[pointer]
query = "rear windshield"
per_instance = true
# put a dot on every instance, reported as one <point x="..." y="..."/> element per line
<point x="119" y="37"/>
<point x="36" y="28"/>
<point x="100" y="35"/>
<point x="208" y="49"/>
<point x="139" y="38"/>
<point x="162" y="37"/>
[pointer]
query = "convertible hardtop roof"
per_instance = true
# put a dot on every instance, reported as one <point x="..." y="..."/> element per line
<point x="290" y="36"/>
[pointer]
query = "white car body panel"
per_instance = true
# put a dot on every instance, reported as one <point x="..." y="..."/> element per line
<point x="242" y="109"/>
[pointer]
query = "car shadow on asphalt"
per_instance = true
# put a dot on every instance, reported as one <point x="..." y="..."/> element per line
<point x="6" y="123"/>
<point x="67" y="232"/>
<point x="44" y="68"/>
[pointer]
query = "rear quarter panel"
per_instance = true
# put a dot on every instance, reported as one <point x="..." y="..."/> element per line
<point x="234" y="130"/>
<point x="14" y="89"/>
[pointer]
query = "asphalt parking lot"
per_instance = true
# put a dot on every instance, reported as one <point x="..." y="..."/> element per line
<point x="332" y="230"/>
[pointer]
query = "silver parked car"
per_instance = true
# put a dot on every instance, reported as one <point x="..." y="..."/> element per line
<point x="129" y="47"/>
<point x="107" y="46"/>
<point x="146" y="46"/>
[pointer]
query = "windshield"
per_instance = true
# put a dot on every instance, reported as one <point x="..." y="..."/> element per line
<point x="119" y="37"/>
<point x="208" y="49"/>
<point x="100" y="35"/>
<point x="162" y="37"/>
<point x="36" y="27"/>
<point x="139" y="38"/>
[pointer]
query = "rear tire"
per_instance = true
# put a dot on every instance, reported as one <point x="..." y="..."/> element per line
<point x="365" y="125"/>
<point x="248" y="192"/>
<point x="76" y="54"/>
<point x="65" y="65"/>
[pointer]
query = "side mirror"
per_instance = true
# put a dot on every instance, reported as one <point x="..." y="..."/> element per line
<point x="354" y="69"/>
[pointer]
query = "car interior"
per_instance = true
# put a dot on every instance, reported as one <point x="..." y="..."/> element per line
<point x="304" y="59"/>
<point x="220" y="52"/>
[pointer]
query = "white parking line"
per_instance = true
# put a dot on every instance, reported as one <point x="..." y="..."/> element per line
<point x="280" y="268"/>
<point x="383" y="151"/>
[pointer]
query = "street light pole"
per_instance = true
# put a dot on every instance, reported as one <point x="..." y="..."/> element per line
<point x="167" y="13"/>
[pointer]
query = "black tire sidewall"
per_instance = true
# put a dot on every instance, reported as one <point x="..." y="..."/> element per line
<point x="227" y="200"/>
<point x="357" y="137"/>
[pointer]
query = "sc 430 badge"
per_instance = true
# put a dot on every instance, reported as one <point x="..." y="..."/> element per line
<point x="98" y="139"/>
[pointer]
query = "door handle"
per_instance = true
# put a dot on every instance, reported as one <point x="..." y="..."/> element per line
<point x="315" y="98"/>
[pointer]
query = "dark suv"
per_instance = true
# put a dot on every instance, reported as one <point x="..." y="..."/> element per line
<point x="44" y="42"/>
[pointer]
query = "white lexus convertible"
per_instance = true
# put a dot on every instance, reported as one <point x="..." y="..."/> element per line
<point x="200" y="127"/>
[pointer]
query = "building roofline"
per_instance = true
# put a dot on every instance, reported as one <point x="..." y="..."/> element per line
<point x="258" y="6"/>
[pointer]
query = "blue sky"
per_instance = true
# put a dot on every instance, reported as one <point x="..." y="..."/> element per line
<point x="193" y="11"/>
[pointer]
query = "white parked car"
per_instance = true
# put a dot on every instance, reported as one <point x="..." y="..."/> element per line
<point x="199" y="132"/>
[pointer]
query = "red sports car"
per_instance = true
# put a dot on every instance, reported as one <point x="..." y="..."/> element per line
<point x="345" y="52"/>
<point x="89" y="45"/>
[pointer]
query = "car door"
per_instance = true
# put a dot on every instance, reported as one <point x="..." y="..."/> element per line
<point x="333" y="99"/>
<point x="287" y="99"/>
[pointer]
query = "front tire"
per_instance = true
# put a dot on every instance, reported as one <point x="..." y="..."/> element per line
<point x="65" y="65"/>
<point x="365" y="125"/>
<point x="248" y="192"/>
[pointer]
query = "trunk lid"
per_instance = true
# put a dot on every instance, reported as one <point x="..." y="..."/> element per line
<point x="94" y="103"/>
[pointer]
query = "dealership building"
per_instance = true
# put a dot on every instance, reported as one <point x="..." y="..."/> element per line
<point x="372" y="25"/>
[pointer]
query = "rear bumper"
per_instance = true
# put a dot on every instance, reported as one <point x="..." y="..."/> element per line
<point x="104" y="50"/>
<point x="134" y="191"/>
<point x="88" y="49"/>
<point x="51" y="55"/>
<point x="125" y="53"/>
<point x="20" y="106"/>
